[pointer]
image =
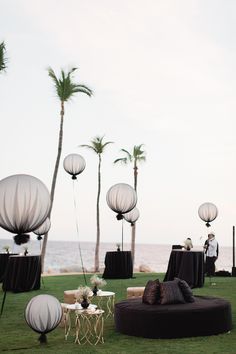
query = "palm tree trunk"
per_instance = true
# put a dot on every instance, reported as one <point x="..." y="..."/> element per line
<point x="54" y="179"/>
<point x="133" y="232"/>
<point x="96" y="265"/>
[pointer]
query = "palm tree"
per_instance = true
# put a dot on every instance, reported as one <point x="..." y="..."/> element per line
<point x="98" y="146"/>
<point x="136" y="156"/>
<point x="3" y="60"/>
<point x="65" y="90"/>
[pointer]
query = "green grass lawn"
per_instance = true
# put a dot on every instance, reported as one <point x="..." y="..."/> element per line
<point x="17" y="337"/>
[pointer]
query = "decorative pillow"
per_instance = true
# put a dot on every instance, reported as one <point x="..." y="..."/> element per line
<point x="186" y="290"/>
<point x="171" y="293"/>
<point x="151" y="294"/>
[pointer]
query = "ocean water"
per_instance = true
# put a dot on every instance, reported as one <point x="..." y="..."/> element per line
<point x="64" y="256"/>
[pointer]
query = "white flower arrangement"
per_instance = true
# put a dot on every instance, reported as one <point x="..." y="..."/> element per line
<point x="83" y="292"/>
<point x="188" y="244"/>
<point x="96" y="281"/>
<point x="6" y="248"/>
<point x="118" y="246"/>
<point x="25" y="250"/>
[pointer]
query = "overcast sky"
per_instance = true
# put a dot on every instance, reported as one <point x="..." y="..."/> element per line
<point x="163" y="74"/>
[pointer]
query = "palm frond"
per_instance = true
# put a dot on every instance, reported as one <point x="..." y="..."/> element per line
<point x="137" y="152"/>
<point x="107" y="143"/>
<point x="123" y="160"/>
<point x="129" y="156"/>
<point x="65" y="87"/>
<point x="88" y="147"/>
<point x="141" y="158"/>
<point x="97" y="144"/>
<point x="52" y="74"/>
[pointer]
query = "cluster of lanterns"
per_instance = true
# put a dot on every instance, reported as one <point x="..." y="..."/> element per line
<point x="25" y="202"/>
<point x="24" y="205"/>
<point x="121" y="197"/>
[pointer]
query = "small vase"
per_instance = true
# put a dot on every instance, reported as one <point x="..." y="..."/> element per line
<point x="188" y="248"/>
<point x="25" y="253"/>
<point x="95" y="290"/>
<point x="84" y="304"/>
<point x="118" y="249"/>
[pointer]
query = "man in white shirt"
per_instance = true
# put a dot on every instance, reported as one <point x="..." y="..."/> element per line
<point x="212" y="251"/>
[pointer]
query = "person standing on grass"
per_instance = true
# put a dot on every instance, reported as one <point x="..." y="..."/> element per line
<point x="211" y="247"/>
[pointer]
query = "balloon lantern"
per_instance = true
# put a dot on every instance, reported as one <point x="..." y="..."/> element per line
<point x="132" y="216"/>
<point x="43" y="229"/>
<point x="24" y="205"/>
<point x="74" y="164"/>
<point x="121" y="198"/>
<point x="208" y="212"/>
<point x="43" y="313"/>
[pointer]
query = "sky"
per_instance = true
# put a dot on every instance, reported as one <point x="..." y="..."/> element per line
<point x="163" y="75"/>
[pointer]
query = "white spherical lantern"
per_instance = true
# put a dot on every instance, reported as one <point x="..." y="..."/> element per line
<point x="132" y="216"/>
<point x="43" y="229"/>
<point x="43" y="313"/>
<point x="208" y="212"/>
<point x="24" y="205"/>
<point x="74" y="164"/>
<point x="121" y="198"/>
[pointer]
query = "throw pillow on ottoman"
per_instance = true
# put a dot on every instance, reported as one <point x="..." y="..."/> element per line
<point x="186" y="290"/>
<point x="170" y="293"/>
<point x="151" y="294"/>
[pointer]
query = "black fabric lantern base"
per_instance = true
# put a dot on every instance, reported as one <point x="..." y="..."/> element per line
<point x="42" y="338"/>
<point x="21" y="239"/>
<point x="119" y="216"/>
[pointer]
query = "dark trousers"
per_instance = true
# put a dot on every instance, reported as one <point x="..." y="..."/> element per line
<point x="210" y="266"/>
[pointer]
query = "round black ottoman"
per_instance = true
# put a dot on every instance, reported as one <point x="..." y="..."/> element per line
<point x="206" y="316"/>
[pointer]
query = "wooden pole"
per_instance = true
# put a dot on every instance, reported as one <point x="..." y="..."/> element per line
<point x="233" y="268"/>
<point x="233" y="246"/>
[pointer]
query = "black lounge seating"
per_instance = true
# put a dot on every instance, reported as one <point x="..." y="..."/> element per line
<point x="206" y="316"/>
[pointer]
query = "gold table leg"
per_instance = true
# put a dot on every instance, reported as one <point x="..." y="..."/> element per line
<point x="89" y="328"/>
<point x="108" y="306"/>
<point x="67" y="323"/>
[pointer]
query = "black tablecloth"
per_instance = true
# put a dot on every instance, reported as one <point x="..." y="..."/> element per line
<point x="187" y="265"/>
<point x="23" y="273"/>
<point x="3" y="263"/>
<point x="118" y="265"/>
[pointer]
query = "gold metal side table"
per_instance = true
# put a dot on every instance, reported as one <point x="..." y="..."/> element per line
<point x="67" y="309"/>
<point x="89" y="326"/>
<point x="105" y="300"/>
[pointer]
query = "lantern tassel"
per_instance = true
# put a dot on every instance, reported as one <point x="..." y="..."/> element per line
<point x="119" y="216"/>
<point x="42" y="338"/>
<point x="21" y="239"/>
